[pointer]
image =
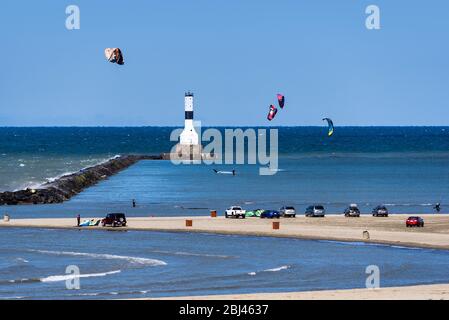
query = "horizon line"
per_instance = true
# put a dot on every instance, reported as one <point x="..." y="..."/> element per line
<point x="228" y="126"/>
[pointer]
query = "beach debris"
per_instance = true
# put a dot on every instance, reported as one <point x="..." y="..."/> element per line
<point x="281" y="100"/>
<point x="272" y="113"/>
<point x="366" y="235"/>
<point x="330" y="125"/>
<point x="114" y="55"/>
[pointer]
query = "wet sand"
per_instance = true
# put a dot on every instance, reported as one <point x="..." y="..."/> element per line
<point x="390" y="230"/>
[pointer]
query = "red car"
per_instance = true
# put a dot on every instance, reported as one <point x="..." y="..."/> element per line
<point x="414" y="222"/>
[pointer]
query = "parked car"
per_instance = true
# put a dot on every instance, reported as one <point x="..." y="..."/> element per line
<point x="287" y="212"/>
<point x="380" y="211"/>
<point x="270" y="214"/>
<point x="414" y="222"/>
<point x="235" y="212"/>
<point x="114" y="220"/>
<point x="352" y="211"/>
<point x="315" y="211"/>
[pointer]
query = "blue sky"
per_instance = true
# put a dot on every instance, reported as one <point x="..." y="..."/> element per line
<point x="234" y="54"/>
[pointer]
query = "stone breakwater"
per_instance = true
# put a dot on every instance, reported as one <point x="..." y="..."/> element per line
<point x="67" y="186"/>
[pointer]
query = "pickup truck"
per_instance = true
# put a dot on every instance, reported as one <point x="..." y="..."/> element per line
<point x="235" y="212"/>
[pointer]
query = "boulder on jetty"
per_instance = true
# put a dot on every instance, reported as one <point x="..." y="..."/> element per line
<point x="67" y="186"/>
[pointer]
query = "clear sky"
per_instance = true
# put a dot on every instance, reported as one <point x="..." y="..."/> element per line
<point x="234" y="54"/>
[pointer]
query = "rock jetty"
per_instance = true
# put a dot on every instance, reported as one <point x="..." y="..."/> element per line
<point x="67" y="186"/>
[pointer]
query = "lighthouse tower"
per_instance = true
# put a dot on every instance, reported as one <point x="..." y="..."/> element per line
<point x="189" y="136"/>
<point x="189" y="146"/>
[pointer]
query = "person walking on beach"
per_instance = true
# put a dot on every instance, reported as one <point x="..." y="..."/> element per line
<point x="78" y="220"/>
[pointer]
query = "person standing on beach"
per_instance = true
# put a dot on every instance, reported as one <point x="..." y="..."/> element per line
<point x="437" y="207"/>
<point x="78" y="220"/>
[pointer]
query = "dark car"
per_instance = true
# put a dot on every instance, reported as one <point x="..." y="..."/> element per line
<point x="414" y="222"/>
<point x="380" y="211"/>
<point x="315" y="211"/>
<point x="270" y="214"/>
<point x="114" y="220"/>
<point x="352" y="211"/>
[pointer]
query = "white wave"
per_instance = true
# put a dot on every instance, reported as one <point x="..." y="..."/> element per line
<point x="409" y="204"/>
<point x="271" y="270"/>
<point x="68" y="173"/>
<point x="133" y="260"/>
<point x="22" y="165"/>
<point x="22" y="260"/>
<point x="277" y="269"/>
<point x="183" y="253"/>
<point x="407" y="248"/>
<point x="66" y="277"/>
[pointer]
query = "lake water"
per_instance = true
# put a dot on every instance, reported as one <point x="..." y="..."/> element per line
<point x="138" y="264"/>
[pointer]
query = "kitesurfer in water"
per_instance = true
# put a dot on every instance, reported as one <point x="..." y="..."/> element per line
<point x="233" y="172"/>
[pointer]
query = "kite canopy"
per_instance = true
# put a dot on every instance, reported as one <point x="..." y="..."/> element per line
<point x="330" y="124"/>
<point x="281" y="100"/>
<point x="114" y="55"/>
<point x="272" y="113"/>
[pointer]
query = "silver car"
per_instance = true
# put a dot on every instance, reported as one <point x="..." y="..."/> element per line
<point x="287" y="212"/>
<point x="315" y="211"/>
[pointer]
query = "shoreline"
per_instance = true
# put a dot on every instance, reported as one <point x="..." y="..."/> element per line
<point x="382" y="231"/>
<point x="389" y="231"/>
<point x="67" y="186"/>
<point x="415" y="292"/>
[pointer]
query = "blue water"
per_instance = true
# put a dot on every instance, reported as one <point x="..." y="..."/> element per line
<point x="154" y="264"/>
<point x="403" y="167"/>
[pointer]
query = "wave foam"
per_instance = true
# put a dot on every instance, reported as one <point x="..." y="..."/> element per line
<point x="66" y="277"/>
<point x="271" y="270"/>
<point x="183" y="253"/>
<point x="277" y="269"/>
<point x="133" y="260"/>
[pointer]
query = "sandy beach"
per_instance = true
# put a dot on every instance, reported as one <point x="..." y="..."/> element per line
<point x="390" y="230"/>
<point x="424" y="292"/>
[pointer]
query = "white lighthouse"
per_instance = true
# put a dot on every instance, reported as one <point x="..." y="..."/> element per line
<point x="189" y="136"/>
<point x="189" y="146"/>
